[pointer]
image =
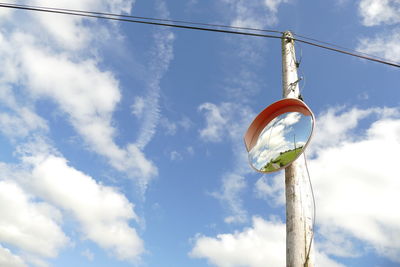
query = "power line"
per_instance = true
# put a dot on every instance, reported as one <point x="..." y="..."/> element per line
<point x="337" y="46"/>
<point x="94" y="15"/>
<point x="210" y="28"/>
<point x="147" y="18"/>
<point x="371" y="58"/>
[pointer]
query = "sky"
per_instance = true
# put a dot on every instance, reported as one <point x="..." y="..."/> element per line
<point x="121" y="144"/>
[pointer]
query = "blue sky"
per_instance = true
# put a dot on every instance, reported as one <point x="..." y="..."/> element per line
<point x="122" y="144"/>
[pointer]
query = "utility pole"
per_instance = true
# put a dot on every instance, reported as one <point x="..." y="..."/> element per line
<point x="298" y="200"/>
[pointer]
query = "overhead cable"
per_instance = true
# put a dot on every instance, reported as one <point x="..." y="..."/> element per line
<point x="196" y="26"/>
<point x="148" y="18"/>
<point x="338" y="46"/>
<point x="359" y="55"/>
<point x="98" y="16"/>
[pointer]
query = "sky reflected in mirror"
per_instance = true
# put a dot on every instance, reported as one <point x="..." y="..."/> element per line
<point x="281" y="141"/>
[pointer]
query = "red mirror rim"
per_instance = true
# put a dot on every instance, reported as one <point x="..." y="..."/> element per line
<point x="270" y="113"/>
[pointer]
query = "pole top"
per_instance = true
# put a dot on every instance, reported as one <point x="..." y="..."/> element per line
<point x="288" y="36"/>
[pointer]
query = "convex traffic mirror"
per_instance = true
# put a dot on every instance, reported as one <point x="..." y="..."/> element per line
<point x="279" y="134"/>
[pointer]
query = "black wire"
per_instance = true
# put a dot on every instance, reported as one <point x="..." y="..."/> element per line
<point x="104" y="15"/>
<point x="145" y="18"/>
<point x="374" y="58"/>
<point x="338" y="46"/>
<point x="116" y="17"/>
<point x="137" y="21"/>
<point x="314" y="213"/>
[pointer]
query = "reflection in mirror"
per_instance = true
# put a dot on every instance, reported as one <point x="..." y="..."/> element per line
<point x="281" y="141"/>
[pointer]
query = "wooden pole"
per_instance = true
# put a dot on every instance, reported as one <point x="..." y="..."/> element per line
<point x="298" y="197"/>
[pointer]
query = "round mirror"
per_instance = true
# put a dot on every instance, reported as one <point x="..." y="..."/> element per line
<point x="279" y="135"/>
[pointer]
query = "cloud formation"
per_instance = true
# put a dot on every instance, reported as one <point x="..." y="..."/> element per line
<point x="55" y="59"/>
<point x="227" y="122"/>
<point x="31" y="226"/>
<point x="148" y="107"/>
<point x="10" y="260"/>
<point x="217" y="123"/>
<point x="366" y="166"/>
<point x="50" y="67"/>
<point x="102" y="211"/>
<point x="377" y="12"/>
<point x="255" y="14"/>
<point x="380" y="13"/>
<point x="262" y="244"/>
<point x="77" y="31"/>
<point x="103" y="214"/>
<point x="384" y="45"/>
<point x="343" y="161"/>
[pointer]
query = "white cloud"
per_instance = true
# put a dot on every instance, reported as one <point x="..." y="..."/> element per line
<point x="22" y="123"/>
<point x="28" y="225"/>
<point x="261" y="245"/>
<point x="242" y="82"/>
<point x="102" y="211"/>
<point x="6" y="13"/>
<point x="89" y="101"/>
<point x="355" y="182"/>
<point x="10" y="260"/>
<point x="138" y="106"/>
<point x="274" y="4"/>
<point x="16" y="119"/>
<point x="77" y="32"/>
<point x="233" y="183"/>
<point x="216" y="121"/>
<point x="55" y="58"/>
<point x="334" y="126"/>
<point x="48" y="65"/>
<point x="323" y="260"/>
<point x="384" y="45"/>
<point x="185" y="123"/>
<point x="270" y="188"/>
<point x="88" y="254"/>
<point x="93" y="92"/>
<point x="175" y="156"/>
<point x="10" y="71"/>
<point x="376" y="12"/>
<point x="336" y="242"/>
<point x="356" y="187"/>
<point x="255" y="14"/>
<point x="228" y="122"/>
<point x="169" y="127"/>
<point x="162" y="55"/>
<point x="381" y="12"/>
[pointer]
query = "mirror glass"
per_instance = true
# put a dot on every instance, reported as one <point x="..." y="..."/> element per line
<point x="281" y="141"/>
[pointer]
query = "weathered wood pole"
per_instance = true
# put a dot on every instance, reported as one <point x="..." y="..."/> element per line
<point x="298" y="197"/>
